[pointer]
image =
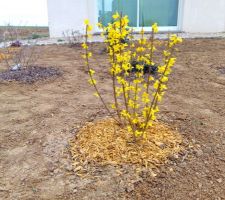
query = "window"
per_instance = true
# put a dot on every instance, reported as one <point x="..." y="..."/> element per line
<point x="108" y="7"/>
<point x="142" y="13"/>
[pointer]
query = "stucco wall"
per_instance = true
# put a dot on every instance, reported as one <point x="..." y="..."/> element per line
<point x="195" y="15"/>
<point x="66" y="15"/>
<point x="203" y="16"/>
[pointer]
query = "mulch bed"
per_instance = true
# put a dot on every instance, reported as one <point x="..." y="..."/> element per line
<point x="105" y="143"/>
<point x="30" y="74"/>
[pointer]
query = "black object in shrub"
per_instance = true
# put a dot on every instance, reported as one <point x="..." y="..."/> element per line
<point x="17" y="43"/>
<point x="125" y="41"/>
<point x="152" y="69"/>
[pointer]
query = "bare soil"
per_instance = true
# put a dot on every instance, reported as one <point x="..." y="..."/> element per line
<point x="37" y="121"/>
<point x="26" y="32"/>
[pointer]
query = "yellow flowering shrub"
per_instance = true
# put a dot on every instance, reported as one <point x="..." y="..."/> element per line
<point x="136" y="93"/>
<point x="4" y="56"/>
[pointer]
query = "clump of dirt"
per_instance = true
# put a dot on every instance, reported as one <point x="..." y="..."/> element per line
<point x="105" y="142"/>
<point x="30" y="74"/>
<point x="222" y="70"/>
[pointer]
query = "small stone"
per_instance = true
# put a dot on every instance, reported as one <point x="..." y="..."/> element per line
<point x="199" y="152"/>
<point x="220" y="180"/>
<point x="73" y="185"/>
<point x="176" y="156"/>
<point x="183" y="164"/>
<point x="16" y="67"/>
<point x="130" y="187"/>
<point x="193" y="193"/>
<point x="171" y="169"/>
<point x="193" y="141"/>
<point x="208" y="150"/>
<point x="173" y="157"/>
<point x="69" y="168"/>
<point x="161" y="145"/>
<point x="56" y="171"/>
<point x="153" y="174"/>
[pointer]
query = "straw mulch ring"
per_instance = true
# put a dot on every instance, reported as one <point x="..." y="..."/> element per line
<point x="106" y="143"/>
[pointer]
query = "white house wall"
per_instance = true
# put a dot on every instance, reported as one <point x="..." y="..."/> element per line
<point x="203" y="16"/>
<point x="66" y="15"/>
<point x="195" y="15"/>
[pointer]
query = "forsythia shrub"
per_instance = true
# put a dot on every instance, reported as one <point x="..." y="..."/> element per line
<point x="136" y="94"/>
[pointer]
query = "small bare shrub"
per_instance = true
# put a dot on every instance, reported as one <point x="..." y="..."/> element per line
<point x="73" y="37"/>
<point x="17" y="54"/>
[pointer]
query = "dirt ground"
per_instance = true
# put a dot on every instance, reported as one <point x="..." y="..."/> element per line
<point x="37" y="120"/>
<point x="25" y="32"/>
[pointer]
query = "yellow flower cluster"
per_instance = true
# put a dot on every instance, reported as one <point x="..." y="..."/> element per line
<point x="136" y="93"/>
<point x="88" y="26"/>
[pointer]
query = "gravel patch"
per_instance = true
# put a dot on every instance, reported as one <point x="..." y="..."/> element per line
<point x="98" y="38"/>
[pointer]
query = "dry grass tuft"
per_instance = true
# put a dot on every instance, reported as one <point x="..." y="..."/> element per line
<point x="104" y="143"/>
